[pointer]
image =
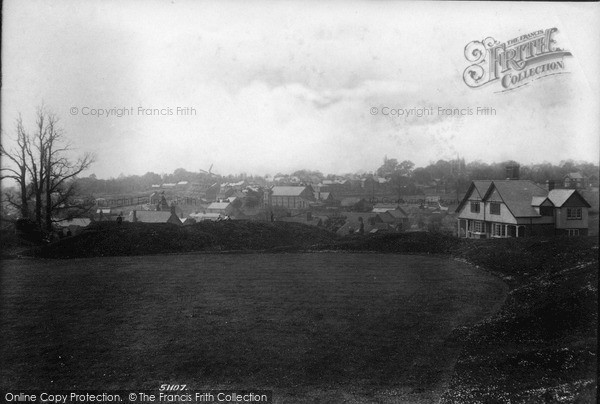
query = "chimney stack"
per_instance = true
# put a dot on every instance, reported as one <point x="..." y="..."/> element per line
<point x="134" y="219"/>
<point x="512" y="172"/>
<point x="550" y="184"/>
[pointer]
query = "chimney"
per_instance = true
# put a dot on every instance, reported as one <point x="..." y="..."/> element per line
<point x="550" y="184"/>
<point x="512" y="172"/>
<point x="134" y="216"/>
<point x="173" y="209"/>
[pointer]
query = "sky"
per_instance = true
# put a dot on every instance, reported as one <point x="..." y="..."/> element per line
<point x="279" y="86"/>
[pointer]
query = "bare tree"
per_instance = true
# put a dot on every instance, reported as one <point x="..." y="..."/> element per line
<point x="18" y="173"/>
<point x="43" y="170"/>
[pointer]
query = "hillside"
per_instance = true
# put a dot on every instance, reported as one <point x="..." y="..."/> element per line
<point x="110" y="239"/>
<point x="540" y="347"/>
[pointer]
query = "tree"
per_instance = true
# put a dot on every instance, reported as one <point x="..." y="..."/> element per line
<point x="388" y="168"/>
<point x="405" y="168"/>
<point x="43" y="171"/>
<point x="18" y="173"/>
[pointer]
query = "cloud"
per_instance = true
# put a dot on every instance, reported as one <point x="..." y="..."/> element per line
<point x="278" y="87"/>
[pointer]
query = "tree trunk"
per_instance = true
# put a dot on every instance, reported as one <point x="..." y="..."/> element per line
<point x="48" y="196"/>
<point x="24" y="201"/>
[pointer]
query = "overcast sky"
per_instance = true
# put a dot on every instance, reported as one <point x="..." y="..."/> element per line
<point x="282" y="86"/>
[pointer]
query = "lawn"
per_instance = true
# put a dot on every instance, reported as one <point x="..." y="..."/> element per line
<point x="313" y="327"/>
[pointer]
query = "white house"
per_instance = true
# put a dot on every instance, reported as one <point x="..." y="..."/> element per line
<point x="518" y="208"/>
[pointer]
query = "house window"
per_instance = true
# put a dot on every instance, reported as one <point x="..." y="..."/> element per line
<point x="572" y="232"/>
<point x="477" y="226"/>
<point x="573" y="213"/>
<point x="499" y="230"/>
<point x="475" y="207"/>
<point x="494" y="208"/>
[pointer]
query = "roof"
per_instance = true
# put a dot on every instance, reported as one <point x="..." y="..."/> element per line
<point x="479" y="186"/>
<point x="517" y="195"/>
<point x="386" y="217"/>
<point x="78" y="221"/>
<point x="353" y="222"/>
<point x="559" y="196"/>
<point x="288" y="191"/>
<point x="219" y="205"/>
<point x="381" y="208"/>
<point x="398" y="213"/>
<point x="150" y="216"/>
<point x="205" y="216"/>
<point x="234" y="184"/>
<point x="538" y="200"/>
<point x="574" y="175"/>
<point x="351" y="200"/>
<point x="482" y="186"/>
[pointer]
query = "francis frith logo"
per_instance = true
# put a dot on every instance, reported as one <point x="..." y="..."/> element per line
<point x="516" y="62"/>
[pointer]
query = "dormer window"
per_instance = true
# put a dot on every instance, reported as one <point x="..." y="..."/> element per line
<point x="475" y="208"/>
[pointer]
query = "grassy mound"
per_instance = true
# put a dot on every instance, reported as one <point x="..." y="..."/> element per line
<point x="542" y="345"/>
<point x="111" y="239"/>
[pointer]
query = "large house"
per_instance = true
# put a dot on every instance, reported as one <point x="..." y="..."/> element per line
<point x="519" y="208"/>
<point x="291" y="197"/>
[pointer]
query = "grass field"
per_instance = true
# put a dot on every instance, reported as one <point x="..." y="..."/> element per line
<point x="318" y="327"/>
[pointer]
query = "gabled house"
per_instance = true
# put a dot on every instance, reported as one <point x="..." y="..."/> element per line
<point x="391" y="214"/>
<point x="222" y="208"/>
<point x="519" y="208"/>
<point x="570" y="212"/>
<point x="575" y="181"/>
<point x="291" y="197"/>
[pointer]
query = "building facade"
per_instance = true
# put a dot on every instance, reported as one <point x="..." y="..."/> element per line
<point x="520" y="208"/>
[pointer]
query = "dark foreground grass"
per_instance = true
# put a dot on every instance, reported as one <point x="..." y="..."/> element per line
<point x="104" y="239"/>
<point x="321" y="327"/>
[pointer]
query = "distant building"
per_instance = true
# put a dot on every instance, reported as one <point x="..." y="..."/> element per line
<point x="519" y="208"/>
<point x="75" y="225"/>
<point x="356" y="204"/>
<point x="203" y="216"/>
<point x="221" y="208"/>
<point x="575" y="181"/>
<point x="152" y="216"/>
<point x="291" y="197"/>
